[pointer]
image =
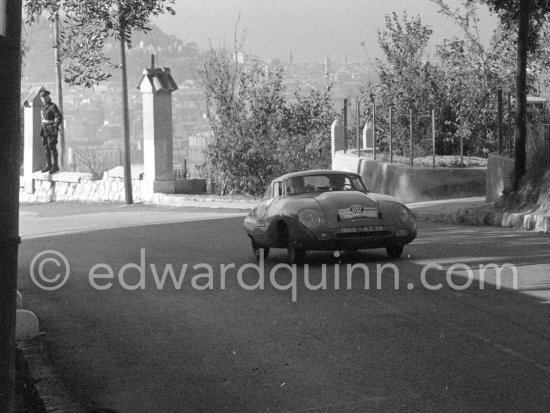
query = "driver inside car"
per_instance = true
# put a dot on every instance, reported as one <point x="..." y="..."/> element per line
<point x="337" y="182"/>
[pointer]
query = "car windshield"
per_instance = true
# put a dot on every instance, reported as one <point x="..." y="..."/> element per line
<point x="323" y="183"/>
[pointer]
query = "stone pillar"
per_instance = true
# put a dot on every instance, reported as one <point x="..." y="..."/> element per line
<point x="500" y="172"/>
<point x="156" y="87"/>
<point x="337" y="137"/>
<point x="368" y="139"/>
<point x="33" y="157"/>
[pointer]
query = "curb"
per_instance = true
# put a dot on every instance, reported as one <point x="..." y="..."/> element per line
<point x="43" y="390"/>
<point x="37" y="385"/>
<point x="477" y="217"/>
<point x="26" y="394"/>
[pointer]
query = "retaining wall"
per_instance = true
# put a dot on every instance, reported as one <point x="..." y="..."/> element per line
<point x="413" y="184"/>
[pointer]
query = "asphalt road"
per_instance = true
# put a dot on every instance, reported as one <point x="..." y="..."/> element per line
<point x="131" y="345"/>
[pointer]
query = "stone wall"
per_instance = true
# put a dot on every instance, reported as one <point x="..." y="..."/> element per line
<point x="72" y="186"/>
<point x="413" y="184"/>
<point x="66" y="186"/>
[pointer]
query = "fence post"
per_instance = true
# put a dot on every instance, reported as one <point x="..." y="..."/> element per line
<point x="433" y="138"/>
<point x="391" y="134"/>
<point x="461" y="149"/>
<point x="499" y="121"/>
<point x="358" y="135"/>
<point x="509" y="124"/>
<point x="374" y="131"/>
<point x="411" y="135"/>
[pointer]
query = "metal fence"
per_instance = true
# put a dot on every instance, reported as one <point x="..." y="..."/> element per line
<point x="402" y="134"/>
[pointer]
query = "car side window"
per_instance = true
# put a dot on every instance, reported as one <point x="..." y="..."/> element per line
<point x="277" y="189"/>
<point x="358" y="184"/>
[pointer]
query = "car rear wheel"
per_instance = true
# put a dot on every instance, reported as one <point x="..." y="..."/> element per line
<point x="257" y="250"/>
<point x="395" y="252"/>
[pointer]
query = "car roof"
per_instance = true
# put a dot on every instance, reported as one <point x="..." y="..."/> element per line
<point x="316" y="172"/>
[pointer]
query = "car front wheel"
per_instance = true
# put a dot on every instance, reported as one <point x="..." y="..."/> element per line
<point x="296" y="253"/>
<point x="395" y="252"/>
<point x="257" y="250"/>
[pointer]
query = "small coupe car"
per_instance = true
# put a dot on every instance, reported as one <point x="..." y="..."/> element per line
<point x="327" y="210"/>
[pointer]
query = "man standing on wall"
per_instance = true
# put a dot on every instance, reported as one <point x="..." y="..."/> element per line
<point x="51" y="120"/>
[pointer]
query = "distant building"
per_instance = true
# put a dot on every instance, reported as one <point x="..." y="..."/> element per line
<point x="239" y="58"/>
<point x="187" y="84"/>
<point x="327" y="66"/>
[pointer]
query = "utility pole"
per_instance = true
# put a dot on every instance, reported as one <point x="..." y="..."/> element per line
<point x="10" y="104"/>
<point x="126" y="119"/>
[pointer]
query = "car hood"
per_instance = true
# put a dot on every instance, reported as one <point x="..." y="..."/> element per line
<point x="331" y="202"/>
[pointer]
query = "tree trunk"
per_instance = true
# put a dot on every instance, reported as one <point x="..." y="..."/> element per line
<point x="521" y="94"/>
<point x="10" y="142"/>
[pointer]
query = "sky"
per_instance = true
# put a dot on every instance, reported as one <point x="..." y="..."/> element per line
<point x="310" y="29"/>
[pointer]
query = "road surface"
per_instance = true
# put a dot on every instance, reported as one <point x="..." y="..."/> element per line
<point x="122" y="339"/>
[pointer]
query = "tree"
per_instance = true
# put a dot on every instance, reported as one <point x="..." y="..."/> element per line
<point x="258" y="133"/>
<point x="407" y="81"/>
<point x="307" y="140"/>
<point x="87" y="25"/>
<point x="527" y="17"/>
<point x="242" y="108"/>
<point x="473" y="74"/>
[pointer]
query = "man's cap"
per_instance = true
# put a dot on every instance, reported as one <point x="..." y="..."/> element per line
<point x="44" y="92"/>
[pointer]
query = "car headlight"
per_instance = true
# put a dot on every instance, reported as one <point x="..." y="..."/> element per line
<point x="310" y="218"/>
<point x="403" y="213"/>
